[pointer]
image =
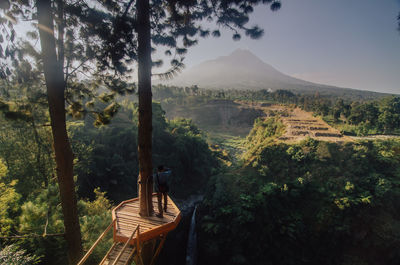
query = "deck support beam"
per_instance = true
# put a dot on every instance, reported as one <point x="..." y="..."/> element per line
<point x="147" y="252"/>
<point x="160" y="245"/>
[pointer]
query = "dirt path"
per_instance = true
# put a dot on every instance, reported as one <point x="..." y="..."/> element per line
<point x="375" y="137"/>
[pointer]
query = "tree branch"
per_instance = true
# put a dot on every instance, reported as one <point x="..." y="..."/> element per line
<point x="127" y="8"/>
<point x="32" y="235"/>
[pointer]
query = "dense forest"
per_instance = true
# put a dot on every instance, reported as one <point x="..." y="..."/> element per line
<point x="266" y="202"/>
<point x="106" y="169"/>
<point x="306" y="203"/>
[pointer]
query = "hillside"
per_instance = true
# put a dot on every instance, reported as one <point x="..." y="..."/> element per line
<point x="216" y="116"/>
<point x="245" y="71"/>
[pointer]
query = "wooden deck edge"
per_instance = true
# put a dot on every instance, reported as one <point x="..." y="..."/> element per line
<point x="174" y="205"/>
<point x="149" y="234"/>
<point x="153" y="233"/>
<point x="137" y="198"/>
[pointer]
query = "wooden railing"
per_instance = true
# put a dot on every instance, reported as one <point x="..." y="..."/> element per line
<point x="95" y="244"/>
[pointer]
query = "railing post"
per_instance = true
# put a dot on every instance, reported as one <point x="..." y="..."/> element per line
<point x="153" y="260"/>
<point x="140" y="260"/>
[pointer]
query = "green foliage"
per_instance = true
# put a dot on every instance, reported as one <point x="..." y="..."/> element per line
<point x="95" y="217"/>
<point x="41" y="213"/>
<point x="307" y="203"/>
<point x="9" y="200"/>
<point x="359" y="118"/>
<point x="263" y="133"/>
<point x="189" y="156"/>
<point x="24" y="144"/>
<point x="13" y="255"/>
<point x="106" y="157"/>
<point x="227" y="148"/>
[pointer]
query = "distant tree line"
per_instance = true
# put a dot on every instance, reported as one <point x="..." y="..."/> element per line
<point x="358" y="117"/>
<point x="361" y="118"/>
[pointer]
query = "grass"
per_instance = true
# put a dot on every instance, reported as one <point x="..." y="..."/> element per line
<point x="232" y="146"/>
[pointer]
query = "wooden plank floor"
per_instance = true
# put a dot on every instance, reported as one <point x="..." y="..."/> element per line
<point x="127" y="217"/>
<point x="113" y="253"/>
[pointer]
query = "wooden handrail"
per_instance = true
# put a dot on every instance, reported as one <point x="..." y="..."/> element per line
<point x="95" y="244"/>
<point x="126" y="244"/>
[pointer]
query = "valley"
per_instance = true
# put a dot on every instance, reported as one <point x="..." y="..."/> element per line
<point x="226" y="122"/>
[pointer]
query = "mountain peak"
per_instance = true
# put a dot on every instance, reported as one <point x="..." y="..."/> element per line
<point x="242" y="54"/>
<point x="240" y="51"/>
<point x="242" y="57"/>
<point x="241" y="69"/>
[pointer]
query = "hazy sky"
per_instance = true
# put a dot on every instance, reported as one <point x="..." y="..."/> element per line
<point x="348" y="43"/>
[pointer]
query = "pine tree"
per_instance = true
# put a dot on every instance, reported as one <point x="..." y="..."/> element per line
<point x="76" y="37"/>
<point x="53" y="65"/>
<point x="163" y="23"/>
<point x="70" y="51"/>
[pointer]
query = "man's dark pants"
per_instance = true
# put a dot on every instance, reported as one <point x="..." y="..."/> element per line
<point x="159" y="198"/>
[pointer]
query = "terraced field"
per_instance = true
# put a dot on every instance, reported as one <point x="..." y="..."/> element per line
<point x="301" y="124"/>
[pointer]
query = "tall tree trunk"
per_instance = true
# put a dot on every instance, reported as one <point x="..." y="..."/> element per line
<point x="55" y="84"/>
<point x="145" y="110"/>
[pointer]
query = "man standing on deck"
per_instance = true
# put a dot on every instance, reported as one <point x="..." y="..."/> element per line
<point x="162" y="188"/>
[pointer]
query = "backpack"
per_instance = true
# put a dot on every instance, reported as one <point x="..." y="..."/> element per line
<point x="163" y="186"/>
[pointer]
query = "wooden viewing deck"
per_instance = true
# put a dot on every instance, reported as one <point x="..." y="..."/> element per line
<point x="131" y="230"/>
<point x="126" y="216"/>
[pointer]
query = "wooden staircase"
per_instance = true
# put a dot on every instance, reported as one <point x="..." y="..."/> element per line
<point x="115" y="251"/>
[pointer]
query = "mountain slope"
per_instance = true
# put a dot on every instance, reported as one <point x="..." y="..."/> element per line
<point x="243" y="70"/>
